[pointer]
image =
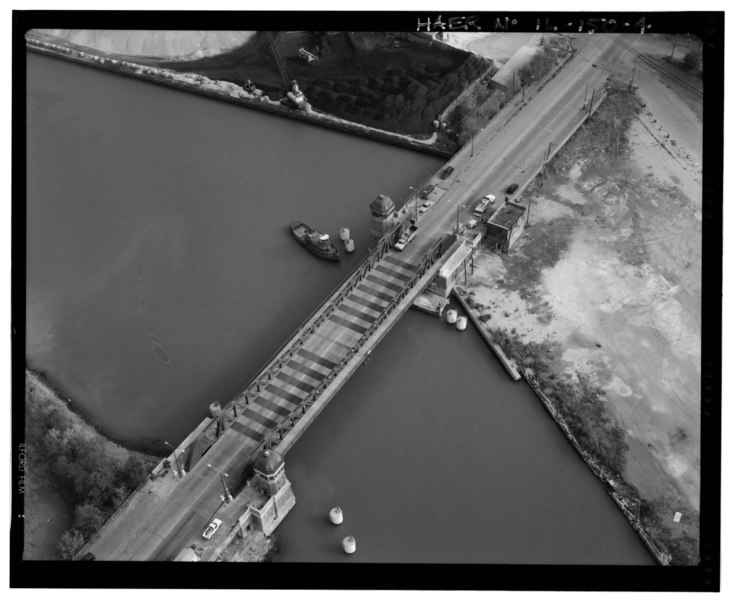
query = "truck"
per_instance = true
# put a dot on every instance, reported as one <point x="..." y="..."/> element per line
<point x="407" y="236"/>
<point x="483" y="204"/>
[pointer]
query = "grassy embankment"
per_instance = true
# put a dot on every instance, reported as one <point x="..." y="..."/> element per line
<point x="577" y="396"/>
<point x="68" y="460"/>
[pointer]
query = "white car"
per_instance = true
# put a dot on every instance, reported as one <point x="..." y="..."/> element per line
<point x="425" y="206"/>
<point x="212" y="529"/>
<point x="489" y="197"/>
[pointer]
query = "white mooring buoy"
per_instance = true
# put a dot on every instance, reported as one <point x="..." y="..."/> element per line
<point x="451" y="316"/>
<point x="336" y="516"/>
<point x="349" y="245"/>
<point x="349" y="544"/>
<point x="344" y="234"/>
<point x="461" y="323"/>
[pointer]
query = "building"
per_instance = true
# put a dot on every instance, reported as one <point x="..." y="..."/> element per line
<point x="505" y="226"/>
<point x="383" y="216"/>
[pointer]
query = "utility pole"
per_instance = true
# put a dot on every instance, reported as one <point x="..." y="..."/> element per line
<point x="586" y="91"/>
<point x="179" y="468"/>
<point x="227" y="493"/>
<point x="672" y="51"/>
<point x="472" y="144"/>
<point x="547" y="154"/>
<point x="633" y="74"/>
<point x="591" y="104"/>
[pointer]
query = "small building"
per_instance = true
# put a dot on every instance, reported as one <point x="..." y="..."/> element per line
<point x="507" y="78"/>
<point x="505" y="226"/>
<point x="383" y="216"/>
<point x="443" y="283"/>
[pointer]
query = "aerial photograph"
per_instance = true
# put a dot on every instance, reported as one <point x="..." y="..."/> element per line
<point x="430" y="295"/>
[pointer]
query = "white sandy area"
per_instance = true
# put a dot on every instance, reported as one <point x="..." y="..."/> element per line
<point x="634" y="327"/>
<point x="498" y="46"/>
<point x="160" y="44"/>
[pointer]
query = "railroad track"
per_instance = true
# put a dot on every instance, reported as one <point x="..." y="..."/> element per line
<point x="650" y="63"/>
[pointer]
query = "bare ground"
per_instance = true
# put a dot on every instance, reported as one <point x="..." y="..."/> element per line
<point x="609" y="275"/>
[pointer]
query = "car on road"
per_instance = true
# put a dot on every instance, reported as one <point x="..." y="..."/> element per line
<point x="446" y="172"/>
<point x="425" y="206"/>
<point x="211" y="529"/>
<point x="512" y="188"/>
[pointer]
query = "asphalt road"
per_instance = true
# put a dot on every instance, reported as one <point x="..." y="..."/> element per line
<point x="502" y="154"/>
<point x="505" y="153"/>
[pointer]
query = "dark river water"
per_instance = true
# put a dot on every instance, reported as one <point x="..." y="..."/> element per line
<point x="161" y="275"/>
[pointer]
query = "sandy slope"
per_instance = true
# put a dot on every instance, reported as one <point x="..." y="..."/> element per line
<point x="162" y="44"/>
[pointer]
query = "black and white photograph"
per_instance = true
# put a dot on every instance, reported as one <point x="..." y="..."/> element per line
<point x="434" y="293"/>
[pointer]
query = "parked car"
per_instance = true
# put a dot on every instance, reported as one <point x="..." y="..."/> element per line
<point x="426" y="191"/>
<point x="446" y="172"/>
<point x="512" y="188"/>
<point x="211" y="529"/>
<point x="425" y="206"/>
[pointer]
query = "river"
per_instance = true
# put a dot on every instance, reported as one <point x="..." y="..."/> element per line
<point x="160" y="275"/>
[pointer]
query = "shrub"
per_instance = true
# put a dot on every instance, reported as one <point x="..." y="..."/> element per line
<point x="69" y="545"/>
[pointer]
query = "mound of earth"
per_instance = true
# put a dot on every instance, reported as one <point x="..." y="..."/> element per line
<point x="161" y="44"/>
<point x="397" y="82"/>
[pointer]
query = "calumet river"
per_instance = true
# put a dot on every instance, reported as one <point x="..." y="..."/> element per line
<point x="161" y="275"/>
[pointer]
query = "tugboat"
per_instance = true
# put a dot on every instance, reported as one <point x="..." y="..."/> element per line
<point x="315" y="242"/>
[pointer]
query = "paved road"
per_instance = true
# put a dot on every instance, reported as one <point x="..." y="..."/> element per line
<point x="509" y="153"/>
<point x="503" y="153"/>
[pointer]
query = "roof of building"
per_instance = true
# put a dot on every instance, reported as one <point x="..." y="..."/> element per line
<point x="268" y="462"/>
<point x="454" y="261"/>
<point x="382" y="204"/>
<point x="508" y="214"/>
<point x="505" y="75"/>
<point x="186" y="555"/>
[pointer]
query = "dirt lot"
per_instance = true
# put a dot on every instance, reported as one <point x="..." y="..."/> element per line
<point x="610" y="271"/>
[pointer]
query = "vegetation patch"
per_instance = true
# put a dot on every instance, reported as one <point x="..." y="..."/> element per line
<point x="92" y="474"/>
<point x="395" y="82"/>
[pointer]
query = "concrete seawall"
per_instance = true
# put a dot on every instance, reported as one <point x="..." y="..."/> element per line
<point x="605" y="477"/>
<point x="506" y="362"/>
<point x="308" y="117"/>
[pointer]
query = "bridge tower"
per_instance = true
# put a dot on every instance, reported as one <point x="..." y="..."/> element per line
<point x="383" y="218"/>
<point x="270" y="479"/>
<point x="269" y="470"/>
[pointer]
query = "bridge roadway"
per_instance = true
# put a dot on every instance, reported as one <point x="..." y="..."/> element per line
<point x="306" y="372"/>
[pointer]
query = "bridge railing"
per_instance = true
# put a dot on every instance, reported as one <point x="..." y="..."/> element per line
<point x="289" y="421"/>
<point x="304" y="330"/>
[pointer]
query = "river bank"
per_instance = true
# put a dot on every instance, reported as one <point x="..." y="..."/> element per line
<point x="599" y="302"/>
<point x="623" y="496"/>
<point x="50" y="505"/>
<point x="229" y="92"/>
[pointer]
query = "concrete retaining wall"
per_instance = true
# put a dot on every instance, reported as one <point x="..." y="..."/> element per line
<point x="506" y="362"/>
<point x="261" y="105"/>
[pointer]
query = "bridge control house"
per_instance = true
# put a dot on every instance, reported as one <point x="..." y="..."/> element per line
<point x="505" y="226"/>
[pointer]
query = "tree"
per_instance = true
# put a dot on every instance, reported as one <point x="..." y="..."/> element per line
<point x="690" y="60"/>
<point x="88" y="519"/>
<point x="132" y="473"/>
<point x="69" y="545"/>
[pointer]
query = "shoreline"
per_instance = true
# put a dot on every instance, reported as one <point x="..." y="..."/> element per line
<point x="148" y="446"/>
<point x="229" y="92"/>
<point x="609" y="484"/>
